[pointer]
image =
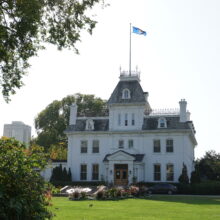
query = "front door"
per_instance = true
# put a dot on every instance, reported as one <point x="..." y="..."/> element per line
<point x="121" y="174"/>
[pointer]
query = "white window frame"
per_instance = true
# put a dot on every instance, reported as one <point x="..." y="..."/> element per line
<point x="126" y="119"/>
<point x="154" y="146"/>
<point x="119" y="119"/>
<point x="170" y="173"/>
<point x="130" y="146"/>
<point x="133" y="119"/>
<point x="83" y="144"/>
<point x="162" y="122"/>
<point x="168" y="145"/>
<point x="155" y="179"/>
<point x="96" y="173"/>
<point x="95" y="144"/>
<point x="121" y="144"/>
<point x="126" y="94"/>
<point x="81" y="173"/>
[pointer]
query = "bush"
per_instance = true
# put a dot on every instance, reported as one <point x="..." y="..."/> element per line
<point x="83" y="195"/>
<point x="23" y="192"/>
<point x="203" y="188"/>
<point x="100" y="195"/>
<point x="206" y="188"/>
<point x="75" y="195"/>
<point x="184" y="188"/>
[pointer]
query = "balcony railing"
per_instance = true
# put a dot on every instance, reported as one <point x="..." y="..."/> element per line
<point x="161" y="112"/>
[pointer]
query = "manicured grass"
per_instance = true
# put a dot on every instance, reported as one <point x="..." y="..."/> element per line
<point x="153" y="208"/>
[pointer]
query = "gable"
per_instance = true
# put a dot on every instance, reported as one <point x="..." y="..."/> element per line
<point x="120" y="155"/>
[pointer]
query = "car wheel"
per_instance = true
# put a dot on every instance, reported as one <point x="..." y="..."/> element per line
<point x="170" y="192"/>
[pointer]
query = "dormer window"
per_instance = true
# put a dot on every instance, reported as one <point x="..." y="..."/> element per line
<point x="162" y="123"/>
<point x="89" y="125"/>
<point x="126" y="94"/>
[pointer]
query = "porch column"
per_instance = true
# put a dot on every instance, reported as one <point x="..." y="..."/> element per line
<point x="130" y="171"/>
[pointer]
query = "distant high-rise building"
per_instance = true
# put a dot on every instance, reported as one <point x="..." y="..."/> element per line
<point x="18" y="130"/>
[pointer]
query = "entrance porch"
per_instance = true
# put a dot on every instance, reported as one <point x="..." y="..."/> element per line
<point x="122" y="168"/>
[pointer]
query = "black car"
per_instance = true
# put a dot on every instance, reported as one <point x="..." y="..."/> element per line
<point x="162" y="188"/>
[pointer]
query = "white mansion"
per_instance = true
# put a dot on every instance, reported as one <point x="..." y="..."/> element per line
<point x="133" y="142"/>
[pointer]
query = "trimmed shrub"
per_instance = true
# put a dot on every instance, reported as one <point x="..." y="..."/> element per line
<point x="206" y="188"/>
<point x="60" y="174"/>
<point x="184" y="176"/>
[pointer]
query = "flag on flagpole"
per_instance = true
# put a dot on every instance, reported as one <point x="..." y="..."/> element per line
<point x="137" y="30"/>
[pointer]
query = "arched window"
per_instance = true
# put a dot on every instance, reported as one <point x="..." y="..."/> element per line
<point x="89" y="125"/>
<point x="162" y="123"/>
<point x="126" y="94"/>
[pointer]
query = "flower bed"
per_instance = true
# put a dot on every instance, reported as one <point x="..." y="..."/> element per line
<point x="105" y="193"/>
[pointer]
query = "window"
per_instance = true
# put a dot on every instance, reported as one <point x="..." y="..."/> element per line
<point x="119" y="119"/>
<point x="126" y="94"/>
<point x="95" y="146"/>
<point x="95" y="172"/>
<point x="89" y="125"/>
<point x="162" y="123"/>
<point x="84" y="147"/>
<point x="132" y="119"/>
<point x="169" y="146"/>
<point x="170" y="172"/>
<point x="156" y="146"/>
<point x="120" y="144"/>
<point x="157" y="173"/>
<point x="83" y="172"/>
<point x="126" y="119"/>
<point x="130" y="144"/>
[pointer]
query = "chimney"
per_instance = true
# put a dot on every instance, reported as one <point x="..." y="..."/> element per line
<point x="188" y="115"/>
<point x="183" y="113"/>
<point x="73" y="114"/>
<point x="146" y="94"/>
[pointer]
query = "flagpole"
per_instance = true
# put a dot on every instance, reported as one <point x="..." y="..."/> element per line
<point x="130" y="53"/>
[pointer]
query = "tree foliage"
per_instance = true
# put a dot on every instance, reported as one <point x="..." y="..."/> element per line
<point x="209" y="166"/>
<point x="54" y="119"/>
<point x="183" y="178"/>
<point x="22" y="189"/>
<point x="195" y="175"/>
<point x="58" y="152"/>
<point x="25" y="25"/>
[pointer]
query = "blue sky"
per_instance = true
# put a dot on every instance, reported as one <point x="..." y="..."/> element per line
<point x="179" y="58"/>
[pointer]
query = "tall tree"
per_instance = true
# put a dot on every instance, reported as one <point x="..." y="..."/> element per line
<point x="54" y="119"/>
<point x="209" y="166"/>
<point x="25" y="25"/>
<point x="58" y="152"/>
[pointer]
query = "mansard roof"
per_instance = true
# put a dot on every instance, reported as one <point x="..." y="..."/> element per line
<point x="137" y="157"/>
<point x="172" y="123"/>
<point x="136" y="93"/>
<point x="150" y="123"/>
<point x="99" y="125"/>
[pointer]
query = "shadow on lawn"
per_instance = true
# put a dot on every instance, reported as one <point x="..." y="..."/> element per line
<point x="193" y="200"/>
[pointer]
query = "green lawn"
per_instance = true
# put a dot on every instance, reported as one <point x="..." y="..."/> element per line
<point x="153" y="208"/>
